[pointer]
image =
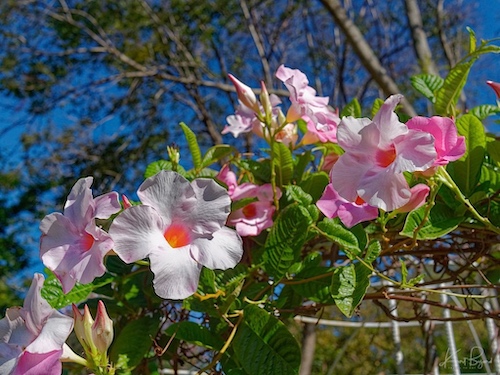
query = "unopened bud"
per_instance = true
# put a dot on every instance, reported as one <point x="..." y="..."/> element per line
<point x="126" y="202"/>
<point x="265" y="101"/>
<point x="495" y="86"/>
<point x="102" y="329"/>
<point x="83" y="328"/>
<point x="245" y="94"/>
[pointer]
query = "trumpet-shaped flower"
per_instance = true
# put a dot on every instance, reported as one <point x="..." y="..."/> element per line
<point x="332" y="205"/>
<point x="180" y="227"/>
<point x="495" y="86"/>
<point x="322" y="122"/>
<point x="376" y="155"/>
<point x="256" y="216"/>
<point x="448" y="144"/>
<point x="72" y="246"/>
<point x="32" y="336"/>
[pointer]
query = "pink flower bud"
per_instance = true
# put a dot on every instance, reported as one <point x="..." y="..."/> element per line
<point x="495" y="86"/>
<point x="245" y="94"/>
<point x="102" y="329"/>
<point x="126" y="202"/>
<point x="266" y="101"/>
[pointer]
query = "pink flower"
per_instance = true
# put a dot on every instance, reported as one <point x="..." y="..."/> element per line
<point x="449" y="146"/>
<point x="256" y="216"/>
<point x="180" y="228"/>
<point x="72" y="246"/>
<point x="32" y="336"/>
<point x="245" y="94"/>
<point x="418" y="197"/>
<point x="332" y="205"/>
<point x="376" y="155"/>
<point x="322" y="121"/>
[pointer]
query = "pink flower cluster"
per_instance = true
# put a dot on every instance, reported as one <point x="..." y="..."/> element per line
<point x="369" y="175"/>
<point x="321" y="120"/>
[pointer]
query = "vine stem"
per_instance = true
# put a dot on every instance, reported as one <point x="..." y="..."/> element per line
<point x="446" y="179"/>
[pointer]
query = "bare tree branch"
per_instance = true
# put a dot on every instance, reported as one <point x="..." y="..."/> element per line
<point x="365" y="53"/>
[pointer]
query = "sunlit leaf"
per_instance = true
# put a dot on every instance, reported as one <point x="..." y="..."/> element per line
<point x="193" y="145"/>
<point x="427" y="84"/>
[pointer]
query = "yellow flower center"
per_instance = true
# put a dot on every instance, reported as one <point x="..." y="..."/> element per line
<point x="177" y="235"/>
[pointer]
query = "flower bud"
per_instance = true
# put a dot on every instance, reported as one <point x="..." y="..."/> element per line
<point x="126" y="202"/>
<point x="83" y="328"/>
<point x="102" y="329"/>
<point x="245" y="94"/>
<point x="495" y="86"/>
<point x="266" y="101"/>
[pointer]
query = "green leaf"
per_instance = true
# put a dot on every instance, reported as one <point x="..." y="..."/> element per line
<point x="264" y="345"/>
<point x="301" y="164"/>
<point x="349" y="285"/>
<point x="52" y="291"/>
<point x="283" y="163"/>
<point x="493" y="149"/>
<point x="484" y="111"/>
<point x="193" y="145"/>
<point x="376" y="106"/>
<point x="373" y="251"/>
<point x="466" y="171"/>
<point x="342" y="236"/>
<point x="285" y="239"/>
<point x="314" y="184"/>
<point x="447" y="96"/>
<point x="427" y="84"/>
<point x="157" y="166"/>
<point x="441" y="221"/>
<point x="295" y="194"/>
<point x="216" y="153"/>
<point x="195" y="333"/>
<point x="135" y="340"/>
<point x="472" y="39"/>
<point x="353" y="108"/>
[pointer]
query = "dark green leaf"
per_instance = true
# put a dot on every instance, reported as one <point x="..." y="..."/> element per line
<point x="285" y="239"/>
<point x="295" y="194"/>
<point x="264" y="345"/>
<point x="135" y="340"/>
<point x="441" y="221"/>
<point x="315" y="184"/>
<point x="195" y="333"/>
<point x="283" y="163"/>
<point x="349" y="285"/>
<point x="342" y="236"/>
<point x="216" y="153"/>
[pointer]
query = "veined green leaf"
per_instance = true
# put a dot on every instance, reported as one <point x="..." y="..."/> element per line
<point x="193" y="145"/>
<point x="353" y="108"/>
<point x="317" y="289"/>
<point x="472" y="39"/>
<point x="373" y="251"/>
<point x="301" y="163"/>
<point x="314" y="184"/>
<point x="484" y="111"/>
<point x="342" y="236"/>
<point x="216" y="153"/>
<point x="447" y="96"/>
<point x="52" y="291"/>
<point x="295" y="194"/>
<point x="466" y="171"/>
<point x="493" y="149"/>
<point x="441" y="220"/>
<point x="427" y="84"/>
<point x="283" y="163"/>
<point x="285" y="239"/>
<point x="349" y="285"/>
<point x="264" y="345"/>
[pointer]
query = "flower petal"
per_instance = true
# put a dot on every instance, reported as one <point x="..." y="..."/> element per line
<point x="54" y="333"/>
<point x="223" y="251"/>
<point x="36" y="309"/>
<point x="137" y="232"/>
<point x="107" y="205"/>
<point x="38" y="363"/>
<point x="176" y="273"/>
<point x="169" y="193"/>
<point x="384" y="189"/>
<point x="79" y="204"/>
